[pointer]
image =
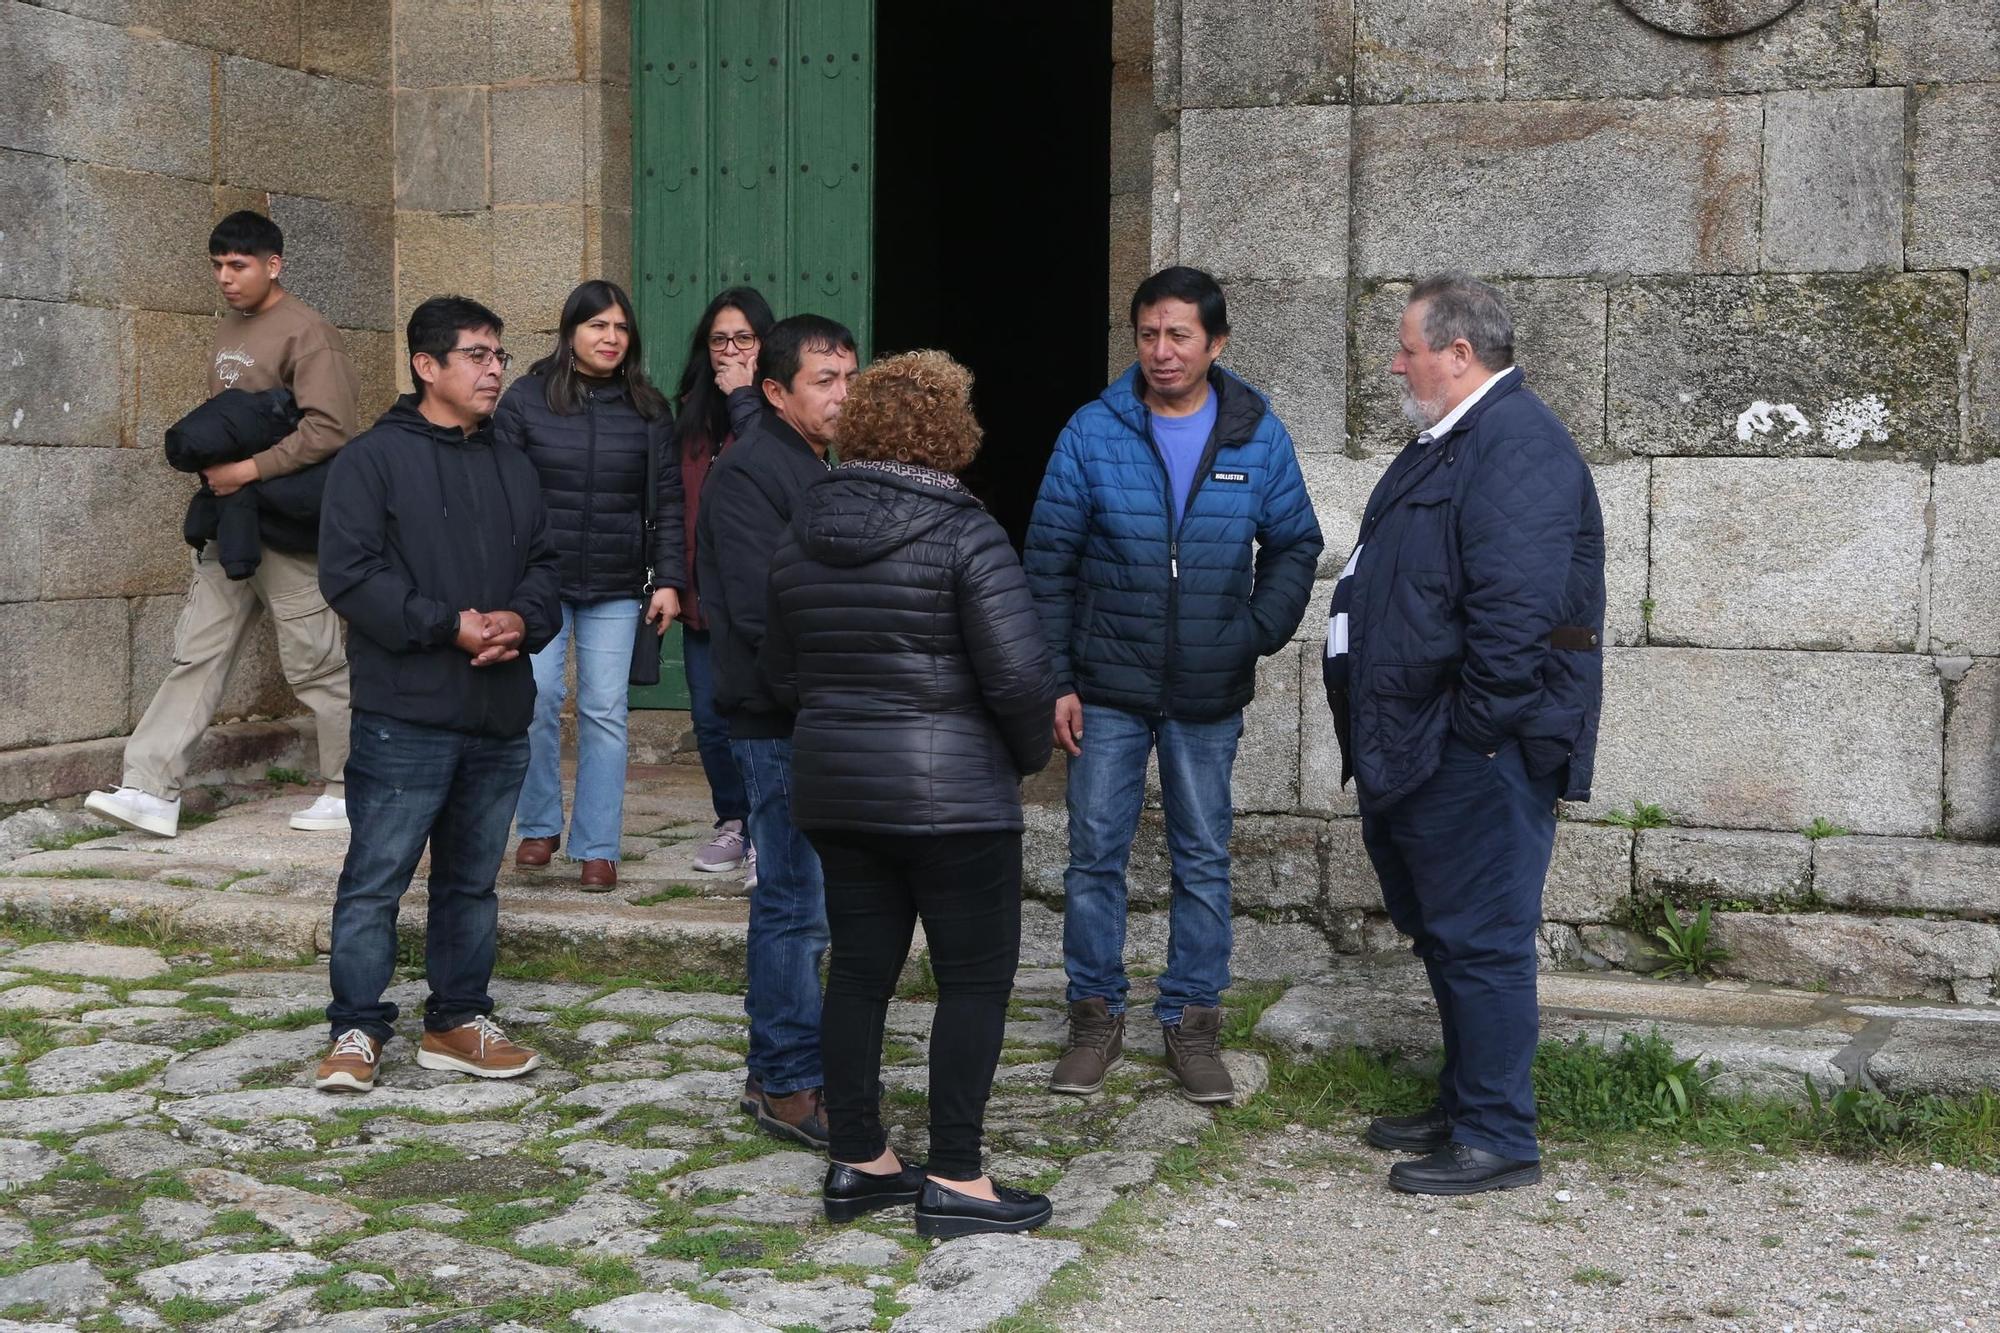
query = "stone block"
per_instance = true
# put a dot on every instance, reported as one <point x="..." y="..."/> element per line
<point x="1908" y="874"/>
<point x="1130" y="226"/>
<point x="1134" y="121"/>
<point x="348" y="39"/>
<point x="339" y="258"/>
<point x="1972" y="753"/>
<point x="443" y="43"/>
<point x="1591" y="48"/>
<point x="1938" y="1059"/>
<point x="536" y="39"/>
<point x="171" y="353"/>
<point x="373" y="353"/>
<point x="1784" y="365"/>
<point x="1264" y="950"/>
<point x="64" y="374"/>
<point x="608" y="244"/>
<point x="1936" y="41"/>
<point x="1407" y="52"/>
<point x="130" y="503"/>
<point x="1132" y="33"/>
<point x="1558" y="342"/>
<point x="1351" y="882"/>
<point x="1590" y="874"/>
<point x="1760" y="1061"/>
<point x="538" y="144"/>
<point x="256" y="684"/>
<point x="63" y="671"/>
<point x="1557" y="189"/>
<point x="1266" y="776"/>
<point x="607" y="41"/>
<point x="537" y="260"/>
<point x="1624" y="495"/>
<point x="1167" y="54"/>
<point x="294" y="133"/>
<point x="1965" y="559"/>
<point x="1982" y="326"/>
<point x="437" y="254"/>
<point x="1289" y="339"/>
<point x="1339" y="487"/>
<point x="1955" y="178"/>
<point x="1274" y="863"/>
<point x="1264" y="192"/>
<point x="34" y="240"/>
<point x="1166" y="198"/>
<point x="1382" y="1009"/>
<point x="441" y="152"/>
<point x="20" y="526"/>
<point x="607" y="146"/>
<point x="1895" y="957"/>
<point x="1320" y="791"/>
<point x="1833" y="180"/>
<point x="97" y="93"/>
<point x="1757" y="739"/>
<point x="1821" y="553"/>
<point x="137" y="239"/>
<point x="1734" y="865"/>
<point x="1265" y="52"/>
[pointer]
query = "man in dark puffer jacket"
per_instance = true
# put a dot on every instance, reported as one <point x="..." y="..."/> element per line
<point x="1464" y="669"/>
<point x="1172" y="545"/>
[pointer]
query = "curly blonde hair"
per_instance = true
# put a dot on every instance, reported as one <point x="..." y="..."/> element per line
<point x="913" y="408"/>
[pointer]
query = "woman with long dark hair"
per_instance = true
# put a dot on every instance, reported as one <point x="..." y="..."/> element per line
<point x="718" y="394"/>
<point x="596" y="430"/>
<point x="902" y="632"/>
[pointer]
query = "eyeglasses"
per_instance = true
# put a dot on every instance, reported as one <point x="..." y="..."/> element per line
<point x="744" y="341"/>
<point x="483" y="356"/>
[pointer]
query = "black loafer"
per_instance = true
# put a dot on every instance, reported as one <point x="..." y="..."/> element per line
<point x="943" y="1211"/>
<point x="1426" y="1131"/>
<point x="1458" y="1168"/>
<point x="848" y="1191"/>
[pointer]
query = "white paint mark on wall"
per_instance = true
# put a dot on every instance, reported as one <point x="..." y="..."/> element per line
<point x="19" y="415"/>
<point x="1761" y="418"/>
<point x="1851" y="420"/>
<point x="65" y="407"/>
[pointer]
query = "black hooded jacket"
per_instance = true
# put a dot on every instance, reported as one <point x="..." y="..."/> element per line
<point x="901" y="629"/>
<point x="279" y="512"/>
<point x="592" y="465"/>
<point x="420" y="523"/>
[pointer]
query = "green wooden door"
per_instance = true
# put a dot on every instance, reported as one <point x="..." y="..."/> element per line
<point x="753" y="164"/>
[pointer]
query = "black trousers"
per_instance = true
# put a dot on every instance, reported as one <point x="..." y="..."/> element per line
<point x="967" y="889"/>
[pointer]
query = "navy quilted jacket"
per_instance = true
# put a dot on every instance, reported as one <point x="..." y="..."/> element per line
<point x="1155" y="620"/>
<point x="1476" y="550"/>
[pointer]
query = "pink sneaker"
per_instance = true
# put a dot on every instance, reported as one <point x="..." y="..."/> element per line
<point x="725" y="851"/>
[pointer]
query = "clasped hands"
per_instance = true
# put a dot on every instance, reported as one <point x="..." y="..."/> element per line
<point x="490" y="636"/>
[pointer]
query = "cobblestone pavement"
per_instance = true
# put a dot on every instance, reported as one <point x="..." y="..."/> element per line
<point x="1308" y="1237"/>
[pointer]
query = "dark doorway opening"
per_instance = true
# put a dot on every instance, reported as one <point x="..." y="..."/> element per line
<point x="993" y="160"/>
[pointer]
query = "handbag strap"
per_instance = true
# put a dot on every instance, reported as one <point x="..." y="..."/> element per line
<point x="649" y="503"/>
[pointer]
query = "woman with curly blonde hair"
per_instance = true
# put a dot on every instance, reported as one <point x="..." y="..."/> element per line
<point x="901" y="631"/>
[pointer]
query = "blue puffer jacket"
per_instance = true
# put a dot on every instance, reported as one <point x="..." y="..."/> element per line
<point x="1170" y="623"/>
<point x="1478" y="604"/>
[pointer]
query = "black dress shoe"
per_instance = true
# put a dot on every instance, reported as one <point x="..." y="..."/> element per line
<point x="1426" y="1131"/>
<point x="1458" y="1168"/>
<point x="942" y="1211"/>
<point x="848" y="1191"/>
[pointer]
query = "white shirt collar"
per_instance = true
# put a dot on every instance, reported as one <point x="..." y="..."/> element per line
<point x="1451" y="418"/>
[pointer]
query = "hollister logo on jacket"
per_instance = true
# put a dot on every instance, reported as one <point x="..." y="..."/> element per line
<point x="1238" y="477"/>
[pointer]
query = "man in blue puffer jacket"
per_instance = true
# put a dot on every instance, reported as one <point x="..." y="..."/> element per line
<point x="1172" y="545"/>
<point x="1464" y="669"/>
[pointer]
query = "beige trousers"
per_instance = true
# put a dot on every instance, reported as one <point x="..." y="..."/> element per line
<point x="218" y="614"/>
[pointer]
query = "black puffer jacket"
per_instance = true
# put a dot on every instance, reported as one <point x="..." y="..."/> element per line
<point x="593" y="469"/>
<point x="901" y="629"/>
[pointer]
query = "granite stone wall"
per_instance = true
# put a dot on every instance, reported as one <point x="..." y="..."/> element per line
<point x="1752" y="252"/>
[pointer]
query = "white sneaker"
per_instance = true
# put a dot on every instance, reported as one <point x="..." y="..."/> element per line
<point x="328" y="813"/>
<point x="724" y="851"/>
<point x="137" y="809"/>
<point x="750" y="869"/>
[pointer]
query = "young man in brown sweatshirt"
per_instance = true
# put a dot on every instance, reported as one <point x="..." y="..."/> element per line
<point x="268" y="339"/>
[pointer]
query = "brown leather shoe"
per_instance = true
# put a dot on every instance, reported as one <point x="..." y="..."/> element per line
<point x="797" y="1116"/>
<point x="350" y="1065"/>
<point x="536" y="851"/>
<point x="1096" y="1044"/>
<point x="599" y="875"/>
<point x="478" y="1048"/>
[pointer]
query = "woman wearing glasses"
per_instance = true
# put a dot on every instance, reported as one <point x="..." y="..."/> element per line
<point x="595" y="429"/>
<point x="718" y="394"/>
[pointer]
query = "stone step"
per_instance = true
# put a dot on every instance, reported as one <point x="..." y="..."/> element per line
<point x="1763" y="1040"/>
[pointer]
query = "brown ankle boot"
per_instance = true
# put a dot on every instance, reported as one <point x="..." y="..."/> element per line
<point x="797" y="1116"/>
<point x="1096" y="1044"/>
<point x="1195" y="1056"/>
<point x="536" y="851"/>
<point x="599" y="875"/>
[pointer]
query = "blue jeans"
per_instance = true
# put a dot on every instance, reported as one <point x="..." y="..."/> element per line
<point x="711" y="733"/>
<point x="1462" y="859"/>
<point x="408" y="785"/>
<point x="1107" y="785"/>
<point x="788" y="934"/>
<point x="602" y="633"/>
